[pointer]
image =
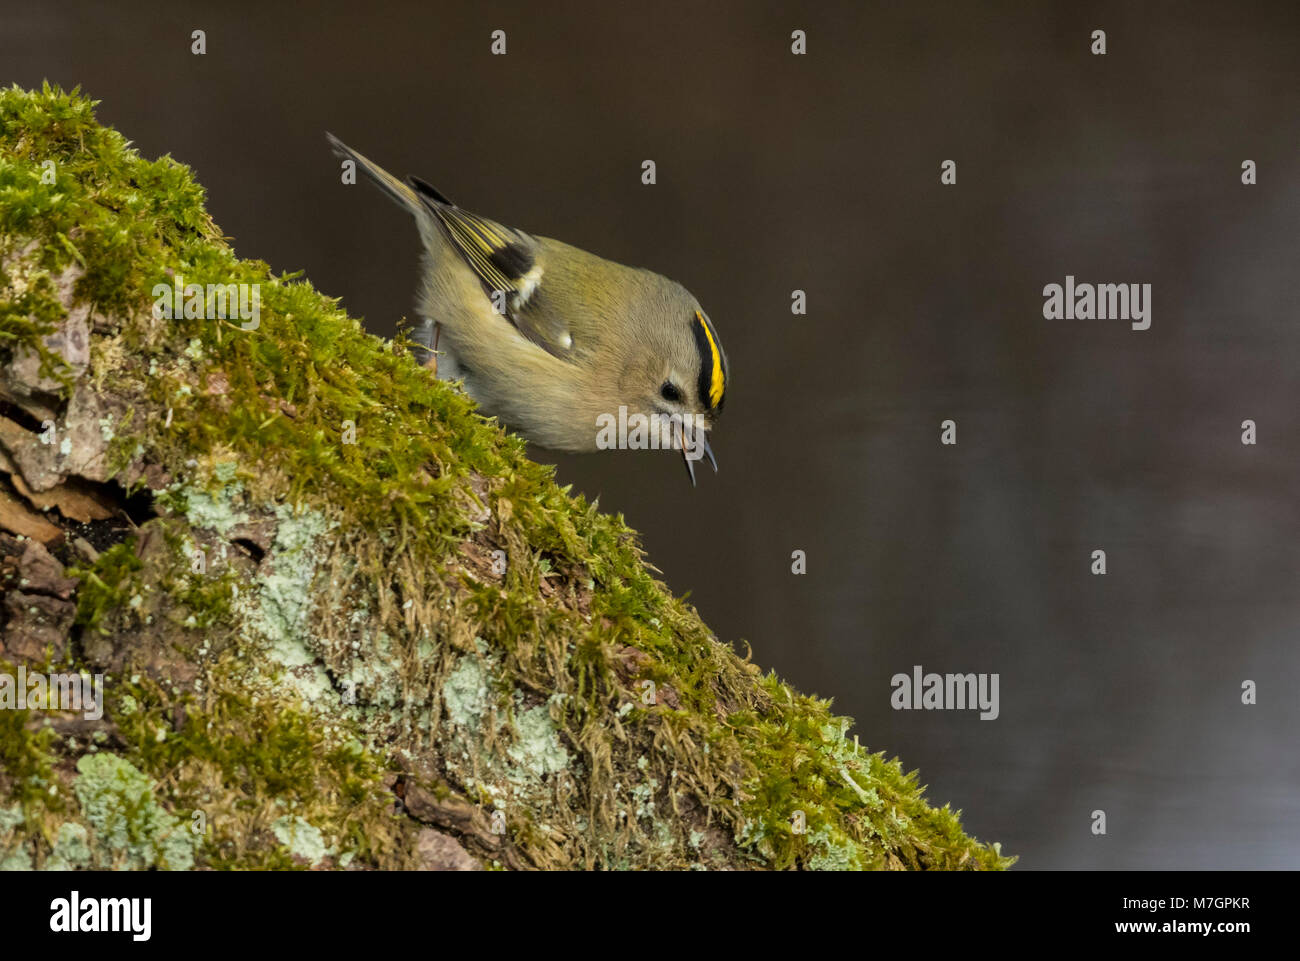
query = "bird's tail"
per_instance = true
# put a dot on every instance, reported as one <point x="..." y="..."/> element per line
<point x="397" y="189"/>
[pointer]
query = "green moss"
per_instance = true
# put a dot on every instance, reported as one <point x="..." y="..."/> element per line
<point x="381" y="487"/>
<point x="107" y="585"/>
<point x="26" y="763"/>
<point x="31" y="311"/>
<point x="209" y="599"/>
<point x="242" y="761"/>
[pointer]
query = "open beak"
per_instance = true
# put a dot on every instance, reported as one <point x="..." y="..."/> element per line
<point x="690" y="464"/>
<point x="708" y="452"/>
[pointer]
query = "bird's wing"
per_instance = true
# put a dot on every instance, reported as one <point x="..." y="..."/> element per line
<point x="508" y="264"/>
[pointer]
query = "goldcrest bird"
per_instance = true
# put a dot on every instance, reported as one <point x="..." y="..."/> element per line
<point x="548" y="337"/>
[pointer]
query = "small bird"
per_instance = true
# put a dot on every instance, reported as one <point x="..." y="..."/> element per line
<point x="550" y="338"/>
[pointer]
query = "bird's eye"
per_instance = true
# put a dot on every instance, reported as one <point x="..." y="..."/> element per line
<point x="670" y="392"/>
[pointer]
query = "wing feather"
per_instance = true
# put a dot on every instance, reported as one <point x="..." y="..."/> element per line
<point x="504" y="259"/>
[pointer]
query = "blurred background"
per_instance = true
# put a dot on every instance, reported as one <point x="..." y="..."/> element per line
<point x="821" y="173"/>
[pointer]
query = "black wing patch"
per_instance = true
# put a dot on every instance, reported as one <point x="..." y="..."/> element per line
<point x="503" y="259"/>
<point x="513" y="260"/>
<point x="426" y="189"/>
<point x="500" y="256"/>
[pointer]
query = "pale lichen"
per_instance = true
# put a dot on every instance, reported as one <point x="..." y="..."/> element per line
<point x="536" y="750"/>
<point x="71" y="848"/>
<point x="131" y="828"/>
<point x="301" y="838"/>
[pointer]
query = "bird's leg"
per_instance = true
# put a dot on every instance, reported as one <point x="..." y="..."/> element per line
<point x="425" y="337"/>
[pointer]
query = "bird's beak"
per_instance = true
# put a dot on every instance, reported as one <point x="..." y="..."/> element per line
<point x="690" y="464"/>
<point x="708" y="452"/>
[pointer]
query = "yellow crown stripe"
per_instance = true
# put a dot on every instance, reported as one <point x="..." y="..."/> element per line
<point x="716" y="379"/>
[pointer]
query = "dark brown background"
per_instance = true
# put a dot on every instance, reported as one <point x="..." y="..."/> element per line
<point x="822" y="173"/>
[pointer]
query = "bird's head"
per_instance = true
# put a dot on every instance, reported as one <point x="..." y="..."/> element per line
<point x="677" y="370"/>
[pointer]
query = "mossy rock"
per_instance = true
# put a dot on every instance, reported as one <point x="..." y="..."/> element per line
<point x="287" y="547"/>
